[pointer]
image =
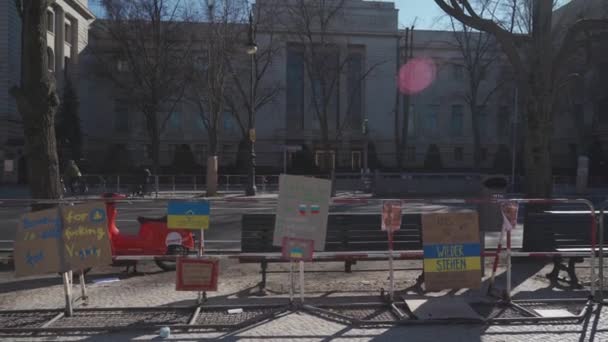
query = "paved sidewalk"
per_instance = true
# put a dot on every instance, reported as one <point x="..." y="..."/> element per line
<point x="153" y="288"/>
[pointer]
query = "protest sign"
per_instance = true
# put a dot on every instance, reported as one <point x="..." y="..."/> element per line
<point x="85" y="236"/>
<point x="297" y="249"/>
<point x="391" y="215"/>
<point x="36" y="249"/>
<point x="452" y="251"/>
<point x="509" y="215"/>
<point x="188" y="215"/>
<point x="302" y="210"/>
<point x="197" y="274"/>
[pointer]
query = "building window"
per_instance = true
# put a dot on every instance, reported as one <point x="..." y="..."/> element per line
<point x="50" y="56"/>
<point x="457" y="122"/>
<point x="431" y="120"/>
<point x="504" y="122"/>
<point x="295" y="88"/>
<point x="411" y="153"/>
<point x="66" y="65"/>
<point x="50" y="21"/>
<point x="321" y="160"/>
<point x="355" y="88"/>
<point x="483" y="154"/>
<point x="411" y="122"/>
<point x="121" y="116"/>
<point x="355" y="158"/>
<point x="230" y="124"/>
<point x="457" y="72"/>
<point x="122" y="65"/>
<point x="67" y="32"/>
<point x="200" y="153"/>
<point x="482" y="120"/>
<point x="458" y="154"/>
<point x="176" y="121"/>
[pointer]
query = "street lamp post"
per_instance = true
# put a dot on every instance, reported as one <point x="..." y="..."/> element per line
<point x="252" y="49"/>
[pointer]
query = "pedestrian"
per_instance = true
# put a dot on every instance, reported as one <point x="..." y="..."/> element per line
<point x="145" y="181"/>
<point x="72" y="175"/>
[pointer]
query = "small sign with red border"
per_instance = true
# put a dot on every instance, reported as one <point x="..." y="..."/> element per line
<point x="197" y="274"/>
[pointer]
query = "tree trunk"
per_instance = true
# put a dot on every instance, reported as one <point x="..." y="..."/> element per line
<point x="212" y="165"/>
<point x="537" y="151"/>
<point x="155" y="140"/>
<point x="476" y="139"/>
<point x="37" y="102"/>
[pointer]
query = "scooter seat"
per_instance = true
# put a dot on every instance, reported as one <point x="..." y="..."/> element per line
<point x="143" y="220"/>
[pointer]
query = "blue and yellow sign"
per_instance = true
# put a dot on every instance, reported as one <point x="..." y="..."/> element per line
<point x="188" y="215"/>
<point x="452" y="251"/>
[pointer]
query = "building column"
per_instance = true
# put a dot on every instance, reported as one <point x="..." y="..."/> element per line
<point x="59" y="44"/>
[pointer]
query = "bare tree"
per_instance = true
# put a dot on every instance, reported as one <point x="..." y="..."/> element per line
<point x="142" y="48"/>
<point x="37" y="101"/>
<point x="479" y="55"/>
<point x="312" y="24"/>
<point x="210" y="73"/>
<point x="250" y="87"/>
<point x="537" y="54"/>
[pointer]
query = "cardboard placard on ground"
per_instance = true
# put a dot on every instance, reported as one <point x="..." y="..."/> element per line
<point x="85" y="236"/>
<point x="302" y="209"/>
<point x="452" y="251"/>
<point x="37" y="243"/>
<point x="197" y="274"/>
<point x="391" y="215"/>
<point x="188" y="215"/>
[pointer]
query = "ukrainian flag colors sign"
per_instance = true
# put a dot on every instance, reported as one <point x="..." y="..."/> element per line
<point x="188" y="215"/>
<point x="452" y="251"/>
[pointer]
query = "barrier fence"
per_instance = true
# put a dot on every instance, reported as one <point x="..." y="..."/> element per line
<point x="401" y="315"/>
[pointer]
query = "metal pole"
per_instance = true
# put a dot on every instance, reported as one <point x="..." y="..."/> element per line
<point x="291" y="281"/>
<point x="601" y="260"/>
<point x="302" y="281"/>
<point x="67" y="288"/>
<point x="194" y="181"/>
<point x="173" y="181"/>
<point x="117" y="183"/>
<point x="390" y="265"/>
<point x="201" y="251"/>
<point x="284" y="160"/>
<point x="509" y="265"/>
<point x="156" y="184"/>
<point x="251" y="188"/>
<point x="514" y="134"/>
<point x="83" y="286"/>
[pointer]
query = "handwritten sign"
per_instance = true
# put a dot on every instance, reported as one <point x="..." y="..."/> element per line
<point x="452" y="252"/>
<point x="197" y="274"/>
<point x="188" y="215"/>
<point x="302" y="210"/>
<point x="85" y="236"/>
<point x="509" y="211"/>
<point x="37" y="243"/>
<point x="391" y="215"/>
<point x="297" y="249"/>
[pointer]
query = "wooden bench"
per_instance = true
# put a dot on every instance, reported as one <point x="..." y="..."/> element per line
<point x="560" y="232"/>
<point x="345" y="233"/>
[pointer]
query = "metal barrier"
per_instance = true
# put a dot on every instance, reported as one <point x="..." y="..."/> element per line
<point x="602" y="287"/>
<point x="402" y="316"/>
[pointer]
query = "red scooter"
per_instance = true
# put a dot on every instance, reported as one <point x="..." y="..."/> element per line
<point x="153" y="238"/>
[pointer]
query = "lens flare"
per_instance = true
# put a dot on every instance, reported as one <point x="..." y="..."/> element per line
<point x="416" y="75"/>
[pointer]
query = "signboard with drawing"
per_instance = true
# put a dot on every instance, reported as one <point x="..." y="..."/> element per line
<point x="62" y="239"/>
<point x="85" y="236"/>
<point x="197" y="274"/>
<point x="188" y="215"/>
<point x="37" y="243"/>
<point x="302" y="210"/>
<point x="297" y="249"/>
<point x="391" y="215"/>
<point x="452" y="251"/>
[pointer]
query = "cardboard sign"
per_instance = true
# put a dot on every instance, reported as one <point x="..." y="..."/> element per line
<point x="85" y="236"/>
<point x="37" y="243"/>
<point x="452" y="252"/>
<point x="509" y="215"/>
<point x="62" y="239"/>
<point x="197" y="274"/>
<point x="188" y="215"/>
<point x="297" y="249"/>
<point x="302" y="210"/>
<point x="391" y="215"/>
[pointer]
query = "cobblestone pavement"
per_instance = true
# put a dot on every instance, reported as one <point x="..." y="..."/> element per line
<point x="327" y="280"/>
